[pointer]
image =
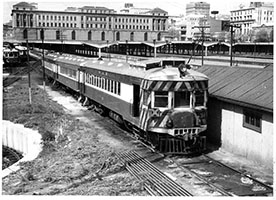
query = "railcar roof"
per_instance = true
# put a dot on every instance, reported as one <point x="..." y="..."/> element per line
<point x="135" y="69"/>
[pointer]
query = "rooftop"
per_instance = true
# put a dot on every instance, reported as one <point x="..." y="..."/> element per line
<point x="247" y="86"/>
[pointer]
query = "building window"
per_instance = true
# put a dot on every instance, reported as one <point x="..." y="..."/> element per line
<point x="25" y="34"/>
<point x="57" y="35"/>
<point x="73" y="35"/>
<point x="159" y="36"/>
<point x="103" y="36"/>
<point x="131" y="36"/>
<point x="89" y="35"/>
<point x="145" y="36"/>
<point x="252" y="120"/>
<point x="118" y="36"/>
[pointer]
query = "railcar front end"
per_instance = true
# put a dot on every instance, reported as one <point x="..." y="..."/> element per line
<point x="173" y="110"/>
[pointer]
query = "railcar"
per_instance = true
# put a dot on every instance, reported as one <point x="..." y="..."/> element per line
<point x="10" y="56"/>
<point x="161" y="100"/>
<point x="22" y="52"/>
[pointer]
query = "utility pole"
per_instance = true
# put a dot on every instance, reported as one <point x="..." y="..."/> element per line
<point x="202" y="29"/>
<point x="154" y="48"/>
<point x="231" y="40"/>
<point x="29" y="73"/>
<point x="43" y="64"/>
<point x="107" y="49"/>
<point x="126" y="51"/>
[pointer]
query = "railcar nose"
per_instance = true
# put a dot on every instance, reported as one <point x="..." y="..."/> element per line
<point x="183" y="119"/>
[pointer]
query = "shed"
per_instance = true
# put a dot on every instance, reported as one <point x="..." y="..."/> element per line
<point x="240" y="117"/>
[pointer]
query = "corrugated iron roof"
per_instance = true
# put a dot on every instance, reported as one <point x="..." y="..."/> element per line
<point x="249" y="86"/>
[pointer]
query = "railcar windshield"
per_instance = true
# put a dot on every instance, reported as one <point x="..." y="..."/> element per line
<point x="181" y="99"/>
<point x="160" y="99"/>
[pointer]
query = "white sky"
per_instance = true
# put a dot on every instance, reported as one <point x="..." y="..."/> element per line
<point x="173" y="7"/>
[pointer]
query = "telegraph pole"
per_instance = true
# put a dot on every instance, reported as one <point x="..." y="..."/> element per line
<point x="126" y="51"/>
<point x="231" y="40"/>
<point x="202" y="30"/>
<point x="43" y="64"/>
<point x="29" y="73"/>
<point x="154" y="48"/>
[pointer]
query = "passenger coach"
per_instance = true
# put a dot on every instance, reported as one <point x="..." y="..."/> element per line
<point x="162" y="100"/>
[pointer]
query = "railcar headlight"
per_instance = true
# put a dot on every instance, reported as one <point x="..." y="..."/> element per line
<point x="169" y="123"/>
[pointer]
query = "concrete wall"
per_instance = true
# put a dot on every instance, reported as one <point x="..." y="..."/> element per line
<point x="226" y="121"/>
<point x="21" y="139"/>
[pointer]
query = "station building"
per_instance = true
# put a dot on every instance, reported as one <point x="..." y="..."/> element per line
<point x="240" y="117"/>
<point x="87" y="23"/>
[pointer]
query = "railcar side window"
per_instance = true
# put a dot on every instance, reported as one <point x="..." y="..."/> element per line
<point x="160" y="99"/>
<point x="199" y="98"/>
<point x="182" y="99"/>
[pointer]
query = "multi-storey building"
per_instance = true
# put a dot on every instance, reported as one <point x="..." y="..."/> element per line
<point x="257" y="14"/>
<point x="198" y="8"/>
<point x="87" y="24"/>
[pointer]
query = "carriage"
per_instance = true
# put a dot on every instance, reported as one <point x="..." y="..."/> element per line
<point x="162" y="100"/>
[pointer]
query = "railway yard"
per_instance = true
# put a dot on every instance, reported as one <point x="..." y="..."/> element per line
<point x="85" y="153"/>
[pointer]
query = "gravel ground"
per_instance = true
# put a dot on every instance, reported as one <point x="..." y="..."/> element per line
<point x="78" y="153"/>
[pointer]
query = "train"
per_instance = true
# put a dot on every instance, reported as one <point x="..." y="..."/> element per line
<point x="10" y="56"/>
<point x="163" y="101"/>
<point x="14" y="55"/>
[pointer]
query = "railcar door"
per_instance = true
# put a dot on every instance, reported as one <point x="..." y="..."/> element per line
<point x="136" y="100"/>
<point x="81" y="81"/>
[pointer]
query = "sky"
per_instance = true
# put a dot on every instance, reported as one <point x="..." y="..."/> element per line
<point x="173" y="7"/>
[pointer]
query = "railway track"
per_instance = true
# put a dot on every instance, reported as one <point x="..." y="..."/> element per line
<point x="18" y="74"/>
<point x="213" y="174"/>
<point x="155" y="181"/>
<point x="220" y="178"/>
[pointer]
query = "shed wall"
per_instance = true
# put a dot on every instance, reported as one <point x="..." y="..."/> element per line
<point x="237" y="139"/>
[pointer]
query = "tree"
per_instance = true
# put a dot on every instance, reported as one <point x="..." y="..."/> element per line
<point x="261" y="36"/>
<point x="174" y="33"/>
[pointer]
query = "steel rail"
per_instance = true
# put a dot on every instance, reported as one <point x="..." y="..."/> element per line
<point x="151" y="178"/>
<point x="165" y="187"/>
<point x="148" y="165"/>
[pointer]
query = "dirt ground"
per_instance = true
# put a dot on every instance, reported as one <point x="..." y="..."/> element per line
<point x="78" y="154"/>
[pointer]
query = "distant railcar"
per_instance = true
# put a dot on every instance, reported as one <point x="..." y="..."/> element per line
<point x="22" y="51"/>
<point x="161" y="99"/>
<point x="10" y="56"/>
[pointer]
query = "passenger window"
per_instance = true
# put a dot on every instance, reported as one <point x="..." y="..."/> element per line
<point x="160" y="99"/>
<point x="182" y="99"/>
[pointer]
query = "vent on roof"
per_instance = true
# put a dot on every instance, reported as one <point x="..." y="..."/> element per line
<point x="110" y="63"/>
